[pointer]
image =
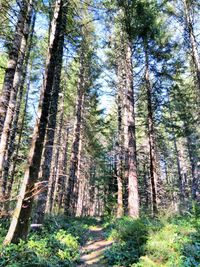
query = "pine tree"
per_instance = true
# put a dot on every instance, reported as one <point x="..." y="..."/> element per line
<point x="20" y="222"/>
<point x="18" y="45"/>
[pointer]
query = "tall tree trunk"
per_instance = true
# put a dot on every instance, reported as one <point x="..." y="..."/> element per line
<point x="53" y="180"/>
<point x="196" y="62"/>
<point x="70" y="200"/>
<point x="14" y="53"/>
<point x="51" y="128"/>
<point x="193" y="42"/>
<point x="13" y="96"/>
<point x="130" y="141"/>
<point x="180" y="182"/>
<point x="20" y="221"/>
<point x="193" y="162"/>
<point x="119" y="171"/>
<point x="129" y="114"/>
<point x="16" y="152"/>
<point x="146" y="185"/>
<point x="81" y="188"/>
<point x="62" y="167"/>
<point x="78" y="180"/>
<point x="151" y="135"/>
<point x="80" y="202"/>
<point x="11" y="144"/>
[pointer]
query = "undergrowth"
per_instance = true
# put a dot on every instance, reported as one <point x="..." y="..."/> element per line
<point x="162" y="242"/>
<point x="56" y="244"/>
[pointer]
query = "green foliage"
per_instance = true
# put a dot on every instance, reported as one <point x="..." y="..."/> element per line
<point x="3" y="62"/>
<point x="56" y="244"/>
<point x="196" y="215"/>
<point x="130" y="236"/>
<point x="129" y="228"/>
<point x="2" y="231"/>
<point x="165" y="242"/>
<point x="174" y="244"/>
<point x="192" y="254"/>
<point x="191" y="249"/>
<point x="77" y="227"/>
<point x="57" y="249"/>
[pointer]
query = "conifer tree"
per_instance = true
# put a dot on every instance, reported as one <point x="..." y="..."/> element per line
<point x="20" y="222"/>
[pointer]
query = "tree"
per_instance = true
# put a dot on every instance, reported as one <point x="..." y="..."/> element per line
<point x="83" y="84"/>
<point x="129" y="115"/>
<point x="74" y="161"/>
<point x="17" y="48"/>
<point x="20" y="221"/>
<point x="188" y="10"/>
<point x="51" y="127"/>
<point x="9" y="161"/>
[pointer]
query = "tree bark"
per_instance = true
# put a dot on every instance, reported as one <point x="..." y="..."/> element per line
<point x="51" y="128"/>
<point x="20" y="221"/>
<point x="129" y="113"/>
<point x="14" y="53"/>
<point x="13" y="96"/>
<point x="151" y="135"/>
<point x="70" y="201"/>
<point x="78" y="183"/>
<point x="81" y="188"/>
<point x="62" y="181"/>
<point x="180" y="182"/>
<point x="130" y="140"/>
<point x="119" y="171"/>
<point x="193" y="42"/>
<point x="53" y="180"/>
<point x="193" y="163"/>
<point x="8" y="162"/>
<point x="16" y="152"/>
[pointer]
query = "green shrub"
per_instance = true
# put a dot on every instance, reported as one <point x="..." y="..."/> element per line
<point x="130" y="236"/>
<point x="68" y="246"/>
<point x="57" y="249"/>
<point x="122" y="253"/>
<point x="164" y="245"/>
<point x="192" y="255"/>
<point x="175" y="244"/>
<point x="78" y="227"/>
<point x="18" y="255"/>
<point x="130" y="229"/>
<point x="169" y="242"/>
<point x="191" y="249"/>
<point x="56" y="244"/>
<point x="146" y="261"/>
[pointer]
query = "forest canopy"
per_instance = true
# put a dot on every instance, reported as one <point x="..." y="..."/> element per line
<point x="99" y="127"/>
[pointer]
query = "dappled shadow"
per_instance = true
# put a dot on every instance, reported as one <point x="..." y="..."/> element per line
<point x="130" y="237"/>
<point x="93" y="250"/>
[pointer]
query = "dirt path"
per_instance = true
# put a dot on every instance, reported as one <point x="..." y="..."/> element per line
<point x="92" y="251"/>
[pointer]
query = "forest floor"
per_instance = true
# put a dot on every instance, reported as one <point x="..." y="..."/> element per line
<point x="86" y="242"/>
<point x="92" y="253"/>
